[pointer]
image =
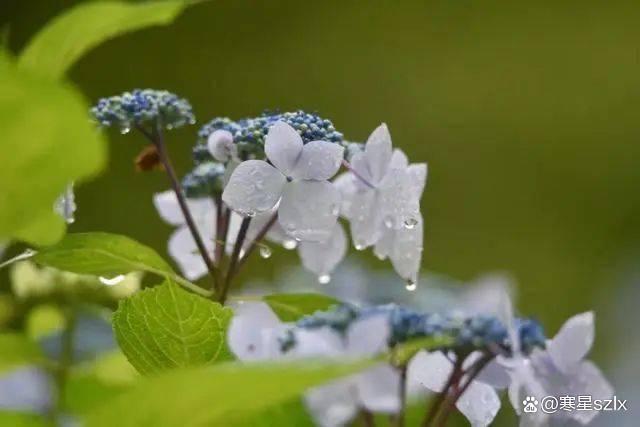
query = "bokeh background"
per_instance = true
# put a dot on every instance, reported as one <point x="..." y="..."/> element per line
<point x="528" y="114"/>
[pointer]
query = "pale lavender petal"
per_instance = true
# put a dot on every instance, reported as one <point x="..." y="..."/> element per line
<point x="365" y="220"/>
<point x="368" y="335"/>
<point x="166" y="203"/>
<point x="220" y="145"/>
<point x="399" y="160"/>
<point x="378" y="152"/>
<point x="254" y="187"/>
<point x="398" y="202"/>
<point x="317" y="342"/>
<point x="479" y="403"/>
<point x="283" y="147"/>
<point x="184" y="251"/>
<point x="334" y="404"/>
<point x="379" y="389"/>
<point x="309" y="210"/>
<point x="322" y="257"/>
<point x="574" y="340"/>
<point x="431" y="369"/>
<point x="320" y="160"/>
<point x="418" y="173"/>
<point x="587" y="380"/>
<point x="248" y="329"/>
<point x="407" y="251"/>
<point x="26" y="389"/>
<point x="346" y="185"/>
<point x="360" y="167"/>
<point x="384" y="245"/>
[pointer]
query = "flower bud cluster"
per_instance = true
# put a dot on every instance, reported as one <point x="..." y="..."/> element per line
<point x="204" y="180"/>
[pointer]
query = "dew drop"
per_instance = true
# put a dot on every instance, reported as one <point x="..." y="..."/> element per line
<point x="125" y="130"/>
<point x="324" y="279"/>
<point x="250" y="214"/>
<point x="290" y="244"/>
<point x="359" y="246"/>
<point x="388" y="222"/>
<point x="111" y="281"/>
<point x="411" y="285"/>
<point x="410" y="223"/>
<point x="335" y="209"/>
<point x="265" y="251"/>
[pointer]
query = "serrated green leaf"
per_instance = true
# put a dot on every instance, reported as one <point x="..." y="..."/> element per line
<point x="166" y="327"/>
<point x="41" y="123"/>
<point x="67" y="37"/>
<point x="104" y="254"/>
<point x="291" y="307"/>
<point x="17" y="350"/>
<point x="208" y="396"/>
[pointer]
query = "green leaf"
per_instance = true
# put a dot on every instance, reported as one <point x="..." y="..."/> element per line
<point x="290" y="413"/>
<point x="104" y="254"/>
<point x="210" y="395"/>
<point x="17" y="350"/>
<point x="291" y="307"/>
<point x="64" y="40"/>
<point x="83" y="392"/>
<point x="47" y="142"/>
<point x="166" y="327"/>
<point x="21" y="419"/>
<point x="401" y="354"/>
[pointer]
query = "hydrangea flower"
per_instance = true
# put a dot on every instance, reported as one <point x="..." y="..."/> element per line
<point x="295" y="178"/>
<point x="65" y="205"/>
<point x="381" y="200"/>
<point x="322" y="258"/>
<point x="142" y="106"/>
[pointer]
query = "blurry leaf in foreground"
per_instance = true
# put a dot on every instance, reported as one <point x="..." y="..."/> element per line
<point x="21" y="419"/>
<point x="402" y="354"/>
<point x="107" y="255"/>
<point x="291" y="413"/>
<point x="167" y="327"/>
<point x="47" y="142"/>
<point x="44" y="320"/>
<point x="291" y="307"/>
<point x="64" y="40"/>
<point x="17" y="350"/>
<point x="210" y="395"/>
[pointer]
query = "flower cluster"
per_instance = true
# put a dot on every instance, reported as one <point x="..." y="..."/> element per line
<point x="142" y="106"/>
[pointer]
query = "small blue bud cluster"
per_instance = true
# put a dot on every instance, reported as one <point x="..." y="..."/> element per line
<point x="249" y="133"/>
<point x="142" y="106"/>
<point x="471" y="333"/>
<point x="204" y="180"/>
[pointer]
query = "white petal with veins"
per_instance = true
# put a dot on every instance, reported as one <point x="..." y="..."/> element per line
<point x="378" y="152"/>
<point x="254" y="187"/>
<point x="283" y="147"/>
<point x="320" y="160"/>
<point x="574" y="340"/>
<point x="322" y="257"/>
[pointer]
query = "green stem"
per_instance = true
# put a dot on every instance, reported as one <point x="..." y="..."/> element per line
<point x="399" y="418"/>
<point x="252" y="246"/>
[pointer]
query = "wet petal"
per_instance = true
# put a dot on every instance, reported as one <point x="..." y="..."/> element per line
<point x="479" y="403"/>
<point x="221" y="146"/>
<point x="322" y="257"/>
<point x="495" y="375"/>
<point x="334" y="404"/>
<point x="345" y="183"/>
<point x="309" y="210"/>
<point x="184" y="251"/>
<point x="249" y="328"/>
<point x="431" y="369"/>
<point x="587" y="380"/>
<point x="399" y="204"/>
<point x="378" y="152"/>
<point x="283" y="147"/>
<point x="166" y="204"/>
<point x="254" y="187"/>
<point x="368" y="335"/>
<point x="320" y="160"/>
<point x="574" y="340"/>
<point x="398" y="160"/>
<point x="407" y="251"/>
<point x="378" y="389"/>
<point x="316" y="342"/>
<point x="360" y="168"/>
<point x="384" y="245"/>
<point x="418" y="173"/>
<point x="365" y="219"/>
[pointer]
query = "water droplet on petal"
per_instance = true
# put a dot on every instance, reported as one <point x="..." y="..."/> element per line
<point x="250" y="214"/>
<point x="335" y="209"/>
<point x="290" y="244"/>
<point x="111" y="281"/>
<point x="265" y="251"/>
<point x="388" y="222"/>
<point x="411" y="285"/>
<point x="410" y="223"/>
<point x="324" y="279"/>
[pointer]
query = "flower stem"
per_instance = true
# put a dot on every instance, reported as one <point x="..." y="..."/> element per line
<point x="350" y="168"/>
<point x="252" y="246"/>
<point x="235" y="256"/>
<point x="367" y="418"/>
<point x="157" y="139"/>
<point x="402" y="392"/>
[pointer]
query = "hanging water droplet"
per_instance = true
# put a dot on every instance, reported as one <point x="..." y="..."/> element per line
<point x="411" y="285"/>
<point x="241" y="254"/>
<point x="290" y="244"/>
<point x="111" y="281"/>
<point x="335" y="209"/>
<point x="388" y="222"/>
<point x="359" y="246"/>
<point x="265" y="251"/>
<point x="125" y="130"/>
<point x="410" y="223"/>
<point x="324" y="279"/>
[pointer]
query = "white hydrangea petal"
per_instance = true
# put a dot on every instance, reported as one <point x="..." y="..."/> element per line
<point x="574" y="340"/>
<point x="378" y="389"/>
<point x="254" y="187"/>
<point x="399" y="160"/>
<point x="309" y="210"/>
<point x="418" y="174"/>
<point x="319" y="160"/>
<point x="495" y="375"/>
<point x="407" y="251"/>
<point x="479" y="403"/>
<point x="27" y="388"/>
<point x="365" y="219"/>
<point x="431" y="369"/>
<point x="587" y="380"/>
<point x="384" y="245"/>
<point x="368" y="335"/>
<point x="334" y="404"/>
<point x="346" y="185"/>
<point x="399" y="204"/>
<point x="283" y="146"/>
<point x="184" y="251"/>
<point x="322" y="258"/>
<point x="378" y="152"/>
<point x="314" y="342"/>
<point x="220" y="145"/>
<point x="166" y="203"/>
<point x="523" y="383"/>
<point x="360" y="167"/>
<point x="248" y="329"/>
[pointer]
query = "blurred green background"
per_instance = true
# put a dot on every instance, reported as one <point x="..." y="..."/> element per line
<point x="527" y="113"/>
